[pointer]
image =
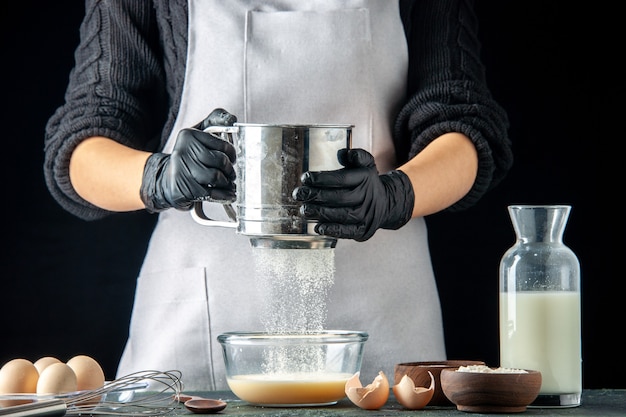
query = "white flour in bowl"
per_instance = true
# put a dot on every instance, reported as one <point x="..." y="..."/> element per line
<point x="487" y="370"/>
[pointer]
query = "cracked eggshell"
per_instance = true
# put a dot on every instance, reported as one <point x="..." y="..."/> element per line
<point x="371" y="397"/>
<point x="412" y="397"/>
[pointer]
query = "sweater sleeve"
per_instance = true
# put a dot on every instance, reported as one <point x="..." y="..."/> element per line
<point x="448" y="91"/>
<point x="116" y="90"/>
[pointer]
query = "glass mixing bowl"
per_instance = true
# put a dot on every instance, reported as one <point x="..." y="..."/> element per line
<point x="289" y="370"/>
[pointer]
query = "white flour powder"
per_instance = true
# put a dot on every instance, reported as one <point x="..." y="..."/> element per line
<point x="294" y="286"/>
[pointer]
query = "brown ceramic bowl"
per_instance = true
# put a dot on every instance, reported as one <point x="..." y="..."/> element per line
<point x="418" y="372"/>
<point x="481" y="392"/>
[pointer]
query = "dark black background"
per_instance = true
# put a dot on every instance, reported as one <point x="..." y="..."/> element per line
<point x="67" y="285"/>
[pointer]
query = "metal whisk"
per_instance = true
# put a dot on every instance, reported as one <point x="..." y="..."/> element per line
<point x="145" y="393"/>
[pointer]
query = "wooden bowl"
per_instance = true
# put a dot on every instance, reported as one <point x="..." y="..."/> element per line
<point x="482" y="392"/>
<point x="418" y="372"/>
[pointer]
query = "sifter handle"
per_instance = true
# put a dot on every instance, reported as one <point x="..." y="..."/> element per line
<point x="197" y="213"/>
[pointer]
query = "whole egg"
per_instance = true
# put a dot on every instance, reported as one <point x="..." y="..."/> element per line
<point x="57" y="378"/>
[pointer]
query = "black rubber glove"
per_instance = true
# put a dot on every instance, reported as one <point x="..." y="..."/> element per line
<point x="200" y="167"/>
<point x="355" y="201"/>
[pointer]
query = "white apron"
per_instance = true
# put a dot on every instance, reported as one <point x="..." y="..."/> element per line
<point x="286" y="61"/>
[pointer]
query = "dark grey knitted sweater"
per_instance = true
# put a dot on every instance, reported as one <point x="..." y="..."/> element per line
<point x="130" y="64"/>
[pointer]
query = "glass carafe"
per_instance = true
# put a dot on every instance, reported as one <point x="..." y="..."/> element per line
<point x="540" y="313"/>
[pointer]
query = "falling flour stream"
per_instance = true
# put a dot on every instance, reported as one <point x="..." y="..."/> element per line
<point x="294" y="286"/>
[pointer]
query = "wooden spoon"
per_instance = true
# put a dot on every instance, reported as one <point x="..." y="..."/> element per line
<point x="205" y="405"/>
<point x="199" y="405"/>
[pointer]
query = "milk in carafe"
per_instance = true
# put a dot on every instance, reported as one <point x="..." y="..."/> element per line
<point x="540" y="314"/>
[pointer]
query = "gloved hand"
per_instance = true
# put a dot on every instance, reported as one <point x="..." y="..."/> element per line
<point x="355" y="201"/>
<point x="200" y="167"/>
